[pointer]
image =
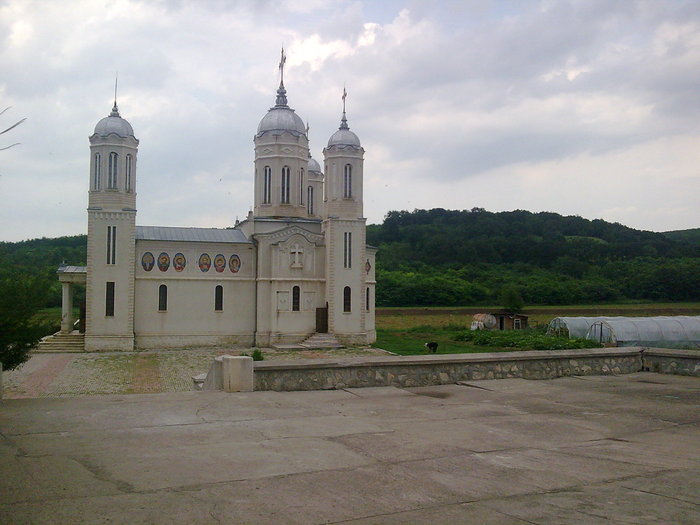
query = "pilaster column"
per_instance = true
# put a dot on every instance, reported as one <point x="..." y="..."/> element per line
<point x="67" y="309"/>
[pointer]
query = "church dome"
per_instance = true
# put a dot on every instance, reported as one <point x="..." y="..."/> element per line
<point x="344" y="137"/>
<point x="314" y="166"/>
<point x="114" y="124"/>
<point x="282" y="118"/>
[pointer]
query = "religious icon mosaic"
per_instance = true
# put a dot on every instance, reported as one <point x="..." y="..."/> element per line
<point x="148" y="261"/>
<point x="163" y="262"/>
<point x="234" y="263"/>
<point x="204" y="262"/>
<point x="219" y="263"/>
<point x="179" y="262"/>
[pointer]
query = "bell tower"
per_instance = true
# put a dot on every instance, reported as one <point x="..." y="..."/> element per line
<point x="111" y="235"/>
<point x="347" y="291"/>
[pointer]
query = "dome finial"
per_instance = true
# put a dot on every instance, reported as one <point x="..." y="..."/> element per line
<point x="115" y="109"/>
<point x="281" y="99"/>
<point x="344" y="121"/>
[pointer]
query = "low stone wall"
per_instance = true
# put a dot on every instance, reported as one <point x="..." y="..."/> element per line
<point x="667" y="361"/>
<point x="442" y="369"/>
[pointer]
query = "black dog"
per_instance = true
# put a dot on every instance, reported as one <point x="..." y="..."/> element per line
<point x="432" y="347"/>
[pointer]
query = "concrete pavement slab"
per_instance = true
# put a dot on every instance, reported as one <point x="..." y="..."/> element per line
<point x="444" y="454"/>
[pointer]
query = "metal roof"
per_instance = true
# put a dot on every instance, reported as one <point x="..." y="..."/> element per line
<point x="72" y="269"/>
<point x="168" y="233"/>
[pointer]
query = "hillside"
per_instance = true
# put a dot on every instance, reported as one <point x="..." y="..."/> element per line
<point x="453" y="258"/>
<point x="691" y="236"/>
<point x="450" y="257"/>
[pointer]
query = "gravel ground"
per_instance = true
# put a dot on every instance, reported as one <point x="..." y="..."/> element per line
<point x="84" y="374"/>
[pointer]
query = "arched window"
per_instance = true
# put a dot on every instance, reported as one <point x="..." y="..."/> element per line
<point x="162" y="298"/>
<point x="310" y="200"/>
<point x="301" y="186"/>
<point x="219" y="298"/>
<point x="367" y="300"/>
<point x="267" y="184"/>
<point x="347" y="301"/>
<point x="285" y="185"/>
<point x="347" y="181"/>
<point x="97" y="182"/>
<point x="295" y="299"/>
<point x="112" y="173"/>
<point x="129" y="161"/>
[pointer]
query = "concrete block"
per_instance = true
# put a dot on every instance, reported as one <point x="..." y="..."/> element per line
<point x="237" y="373"/>
<point x="214" y="379"/>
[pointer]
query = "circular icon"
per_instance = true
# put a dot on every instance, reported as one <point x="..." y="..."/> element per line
<point x="179" y="262"/>
<point x="234" y="263"/>
<point x="163" y="262"/>
<point x="219" y="263"/>
<point x="148" y="261"/>
<point x="204" y="262"/>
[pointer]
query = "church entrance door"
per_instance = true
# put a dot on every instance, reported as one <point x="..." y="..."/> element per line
<point x="322" y="320"/>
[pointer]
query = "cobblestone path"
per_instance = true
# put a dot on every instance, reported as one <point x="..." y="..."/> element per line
<point x="84" y="374"/>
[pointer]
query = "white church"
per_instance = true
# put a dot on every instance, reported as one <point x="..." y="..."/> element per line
<point x="298" y="265"/>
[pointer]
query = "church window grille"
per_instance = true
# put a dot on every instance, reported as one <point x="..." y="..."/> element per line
<point x="285" y="185"/>
<point x="367" y="299"/>
<point x="347" y="300"/>
<point x="301" y="186"/>
<point x="219" y="298"/>
<point x="162" y="298"/>
<point x="112" y="173"/>
<point x="295" y="299"/>
<point x="97" y="183"/>
<point x="310" y="200"/>
<point x="347" y="182"/>
<point x="129" y="162"/>
<point x="111" y="244"/>
<point x="109" y="299"/>
<point x="347" y="250"/>
<point x="267" y="185"/>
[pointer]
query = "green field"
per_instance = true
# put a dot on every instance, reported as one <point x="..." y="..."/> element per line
<point x="406" y="330"/>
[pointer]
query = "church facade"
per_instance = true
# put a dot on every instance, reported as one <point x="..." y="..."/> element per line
<point x="297" y="265"/>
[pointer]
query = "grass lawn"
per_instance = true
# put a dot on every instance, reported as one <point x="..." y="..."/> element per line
<point x="406" y="330"/>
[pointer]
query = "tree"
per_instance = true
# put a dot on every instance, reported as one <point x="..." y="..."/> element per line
<point x="10" y="128"/>
<point x="21" y="296"/>
<point x="511" y="300"/>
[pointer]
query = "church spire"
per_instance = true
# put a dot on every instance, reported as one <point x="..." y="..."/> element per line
<point x="115" y="109"/>
<point x="281" y="100"/>
<point x="344" y="120"/>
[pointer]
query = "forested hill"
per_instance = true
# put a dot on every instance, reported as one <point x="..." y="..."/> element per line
<point x="453" y="258"/>
<point x="451" y="238"/>
<point x="446" y="257"/>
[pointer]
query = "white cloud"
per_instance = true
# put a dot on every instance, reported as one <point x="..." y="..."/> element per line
<point x="576" y="107"/>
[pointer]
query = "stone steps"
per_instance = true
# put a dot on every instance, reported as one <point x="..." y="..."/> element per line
<point x="321" y="341"/>
<point x="58" y="343"/>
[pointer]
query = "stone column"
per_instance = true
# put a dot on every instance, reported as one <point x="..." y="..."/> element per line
<point x="67" y="309"/>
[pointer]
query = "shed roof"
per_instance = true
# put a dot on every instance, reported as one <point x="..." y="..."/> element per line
<point x="170" y="233"/>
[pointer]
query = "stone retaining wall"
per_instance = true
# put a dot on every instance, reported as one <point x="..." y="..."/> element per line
<point x="666" y="361"/>
<point x="442" y="369"/>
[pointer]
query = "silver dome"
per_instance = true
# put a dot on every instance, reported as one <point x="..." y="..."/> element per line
<point x="314" y="166"/>
<point x="282" y="119"/>
<point x="114" y="124"/>
<point x="344" y="137"/>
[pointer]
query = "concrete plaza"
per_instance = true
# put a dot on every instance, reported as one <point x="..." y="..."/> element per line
<point x="608" y="449"/>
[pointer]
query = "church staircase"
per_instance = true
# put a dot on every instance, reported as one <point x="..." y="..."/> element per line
<point x="321" y="341"/>
<point x="59" y="342"/>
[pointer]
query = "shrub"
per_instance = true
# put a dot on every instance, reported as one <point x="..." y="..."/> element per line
<point x="523" y="339"/>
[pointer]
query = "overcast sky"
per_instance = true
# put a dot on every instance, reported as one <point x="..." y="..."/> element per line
<point x="587" y="107"/>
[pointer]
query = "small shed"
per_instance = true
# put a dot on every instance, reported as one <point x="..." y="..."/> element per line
<point x="508" y="321"/>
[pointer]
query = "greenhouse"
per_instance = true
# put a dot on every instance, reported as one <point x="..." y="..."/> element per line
<point x="662" y="332"/>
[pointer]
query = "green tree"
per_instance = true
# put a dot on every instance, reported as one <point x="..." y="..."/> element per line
<point x="21" y="296"/>
<point x="511" y="300"/>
